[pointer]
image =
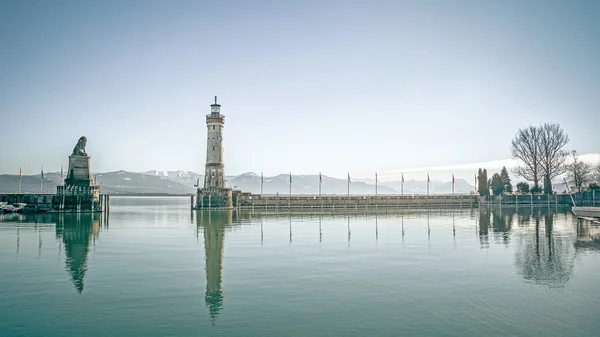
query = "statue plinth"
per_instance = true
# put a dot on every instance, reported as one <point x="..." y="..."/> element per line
<point x="79" y="171"/>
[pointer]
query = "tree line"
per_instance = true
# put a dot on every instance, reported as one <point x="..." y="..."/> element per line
<point x="497" y="184"/>
<point x="541" y="156"/>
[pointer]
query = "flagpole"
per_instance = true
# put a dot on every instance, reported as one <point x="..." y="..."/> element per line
<point x="320" y="182"/>
<point x="290" y="197"/>
<point x="452" y="184"/>
<point x="41" y="180"/>
<point x="261" y="183"/>
<point x="427" y="184"/>
<point x="375" y="183"/>
<point x="20" y="177"/>
<point x="402" y="186"/>
<point x="348" y="183"/>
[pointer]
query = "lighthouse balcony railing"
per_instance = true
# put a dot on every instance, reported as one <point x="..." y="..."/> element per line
<point x="219" y="116"/>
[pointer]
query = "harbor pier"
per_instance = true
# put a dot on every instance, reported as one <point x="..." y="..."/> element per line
<point x="351" y="202"/>
<point x="77" y="202"/>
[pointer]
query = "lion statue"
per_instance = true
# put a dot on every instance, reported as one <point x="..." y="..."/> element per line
<point x="79" y="149"/>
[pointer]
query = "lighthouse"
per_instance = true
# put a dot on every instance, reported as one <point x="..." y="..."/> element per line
<point x="215" y="193"/>
<point x="214" y="174"/>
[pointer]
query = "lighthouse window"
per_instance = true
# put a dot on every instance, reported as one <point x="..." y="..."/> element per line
<point x="213" y="127"/>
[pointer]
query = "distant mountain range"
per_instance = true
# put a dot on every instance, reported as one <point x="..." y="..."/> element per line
<point x="182" y="182"/>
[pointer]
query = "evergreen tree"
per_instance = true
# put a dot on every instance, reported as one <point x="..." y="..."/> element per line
<point x="523" y="187"/>
<point x="479" y="175"/>
<point x="497" y="184"/>
<point x="482" y="181"/>
<point x="508" y="188"/>
<point x="485" y="179"/>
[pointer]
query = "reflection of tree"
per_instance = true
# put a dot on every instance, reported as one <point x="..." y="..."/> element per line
<point x="502" y="223"/>
<point x="76" y="232"/>
<point x="484" y="227"/>
<point x="545" y="259"/>
<point x="588" y="237"/>
<point x="524" y="216"/>
<point x="213" y="224"/>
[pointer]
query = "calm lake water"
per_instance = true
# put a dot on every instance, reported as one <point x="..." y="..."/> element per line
<point x="157" y="269"/>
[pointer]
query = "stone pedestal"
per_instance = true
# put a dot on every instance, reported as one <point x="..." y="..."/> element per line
<point x="79" y="171"/>
<point x="214" y="198"/>
<point x="78" y="194"/>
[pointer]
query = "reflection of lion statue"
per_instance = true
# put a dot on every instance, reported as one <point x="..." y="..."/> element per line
<point x="79" y="149"/>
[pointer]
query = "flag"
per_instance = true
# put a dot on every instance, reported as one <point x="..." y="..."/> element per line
<point x="453" y="178"/>
<point x="320" y="177"/>
<point x="349" y="178"/>
<point x="290" y="177"/>
<point x="403" y="178"/>
<point x="61" y="172"/>
<point x="427" y="177"/>
<point x="42" y="173"/>
<point x="261" y="177"/>
<point x="20" y="174"/>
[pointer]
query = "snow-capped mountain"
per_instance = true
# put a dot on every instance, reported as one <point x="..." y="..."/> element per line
<point x="187" y="178"/>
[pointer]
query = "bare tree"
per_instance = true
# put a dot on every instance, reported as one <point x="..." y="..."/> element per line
<point x="552" y="156"/>
<point x="524" y="148"/>
<point x="597" y="175"/>
<point x="580" y="173"/>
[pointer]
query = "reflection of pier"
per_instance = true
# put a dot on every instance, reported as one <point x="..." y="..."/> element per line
<point x="544" y="252"/>
<point x="75" y="232"/>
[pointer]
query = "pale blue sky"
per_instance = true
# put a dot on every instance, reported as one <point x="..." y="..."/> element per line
<point x="306" y="86"/>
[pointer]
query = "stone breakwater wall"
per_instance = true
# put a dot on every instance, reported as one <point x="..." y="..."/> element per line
<point x="353" y="201"/>
<point x="69" y="201"/>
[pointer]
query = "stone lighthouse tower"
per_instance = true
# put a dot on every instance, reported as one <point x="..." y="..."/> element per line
<point x="214" y="175"/>
<point x="214" y="194"/>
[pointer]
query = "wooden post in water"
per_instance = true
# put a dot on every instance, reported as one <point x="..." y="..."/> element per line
<point x="192" y="203"/>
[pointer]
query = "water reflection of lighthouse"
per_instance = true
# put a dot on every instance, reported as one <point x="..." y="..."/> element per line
<point x="213" y="224"/>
